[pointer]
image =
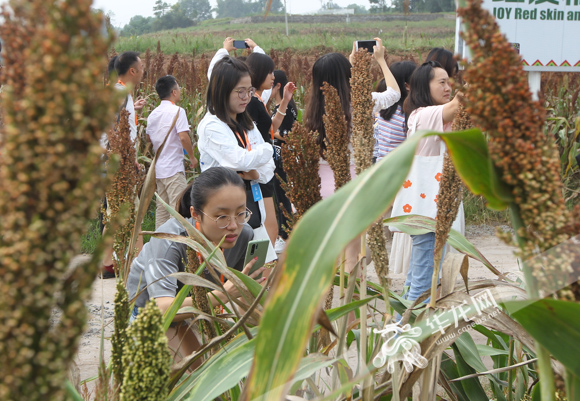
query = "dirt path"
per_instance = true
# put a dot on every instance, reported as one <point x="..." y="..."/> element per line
<point x="101" y="306"/>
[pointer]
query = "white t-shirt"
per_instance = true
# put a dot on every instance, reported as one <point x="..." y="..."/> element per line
<point x="130" y="107"/>
<point x="170" y="161"/>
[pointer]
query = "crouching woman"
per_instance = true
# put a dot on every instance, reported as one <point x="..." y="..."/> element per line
<point x="218" y="209"/>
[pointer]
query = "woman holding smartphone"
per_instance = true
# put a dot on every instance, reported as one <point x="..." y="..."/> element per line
<point x="217" y="204"/>
<point x="334" y="68"/>
<point x="428" y="107"/>
<point x="229" y="138"/>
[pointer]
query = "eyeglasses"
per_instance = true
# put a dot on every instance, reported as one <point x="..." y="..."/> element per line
<point x="243" y="93"/>
<point x="224" y="221"/>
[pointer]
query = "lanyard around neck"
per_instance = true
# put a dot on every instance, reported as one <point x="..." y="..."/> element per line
<point x="248" y="146"/>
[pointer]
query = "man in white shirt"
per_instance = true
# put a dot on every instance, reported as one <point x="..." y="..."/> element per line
<point x="169" y="169"/>
<point x="130" y="73"/>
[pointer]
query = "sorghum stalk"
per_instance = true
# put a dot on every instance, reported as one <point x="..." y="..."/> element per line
<point x="448" y="201"/>
<point x="146" y="358"/>
<point x="55" y="108"/>
<point x="363" y="145"/>
<point x="122" y="190"/>
<point x="338" y="156"/>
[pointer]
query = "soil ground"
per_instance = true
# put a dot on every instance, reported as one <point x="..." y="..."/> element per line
<point x="101" y="304"/>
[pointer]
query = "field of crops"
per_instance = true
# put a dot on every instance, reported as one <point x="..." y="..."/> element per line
<point x="400" y="37"/>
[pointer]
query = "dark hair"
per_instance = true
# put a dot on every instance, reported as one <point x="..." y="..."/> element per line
<point x="402" y="72"/>
<point x="280" y="78"/>
<point x="210" y="181"/>
<point x="260" y="66"/>
<point x="184" y="203"/>
<point x="333" y="68"/>
<point x="111" y="66"/>
<point x="165" y="85"/>
<point x="446" y="59"/>
<point x="419" y="90"/>
<point x="224" y="78"/>
<point x="125" y="61"/>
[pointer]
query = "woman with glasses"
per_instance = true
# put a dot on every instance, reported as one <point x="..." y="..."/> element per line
<point x="229" y="138"/>
<point x="216" y="203"/>
<point x="262" y="75"/>
<point x="427" y="107"/>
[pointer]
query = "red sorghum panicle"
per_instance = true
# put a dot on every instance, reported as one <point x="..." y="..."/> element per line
<point x="301" y="159"/>
<point x="500" y="103"/>
<point x="450" y="191"/>
<point x="336" y="153"/>
<point x="123" y="188"/>
<point x="55" y="108"/>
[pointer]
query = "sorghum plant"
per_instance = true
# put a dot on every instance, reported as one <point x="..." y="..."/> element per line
<point x="448" y="199"/>
<point x="55" y="108"/>
<point x="336" y="153"/>
<point x="146" y="357"/>
<point x="363" y="145"/>
<point x="122" y="189"/>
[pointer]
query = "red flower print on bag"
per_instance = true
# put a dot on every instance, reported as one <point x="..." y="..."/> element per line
<point x="438" y="176"/>
<point x="423" y="196"/>
<point x="435" y="198"/>
<point x="407" y="208"/>
<point x="407" y="184"/>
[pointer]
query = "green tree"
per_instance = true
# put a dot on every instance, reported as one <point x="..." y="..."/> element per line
<point x="358" y="9"/>
<point x="378" y="6"/>
<point x="196" y="10"/>
<point x="160" y="8"/>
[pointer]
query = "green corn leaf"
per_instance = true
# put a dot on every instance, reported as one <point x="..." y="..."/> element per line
<point x="562" y="339"/>
<point x="318" y="239"/>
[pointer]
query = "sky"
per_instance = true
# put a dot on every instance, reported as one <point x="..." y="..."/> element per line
<point x="123" y="10"/>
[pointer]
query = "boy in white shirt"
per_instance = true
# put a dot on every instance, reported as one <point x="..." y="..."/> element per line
<point x="169" y="170"/>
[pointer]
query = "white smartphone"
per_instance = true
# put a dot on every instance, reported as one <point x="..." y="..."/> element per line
<point x="366" y="44"/>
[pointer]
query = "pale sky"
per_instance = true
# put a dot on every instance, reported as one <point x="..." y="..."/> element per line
<point x="123" y="10"/>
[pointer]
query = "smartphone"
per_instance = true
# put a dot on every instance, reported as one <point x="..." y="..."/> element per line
<point x="366" y="44"/>
<point x="259" y="248"/>
<point x="240" y="44"/>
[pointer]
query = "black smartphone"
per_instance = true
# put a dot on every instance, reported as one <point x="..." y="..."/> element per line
<point x="240" y="44"/>
<point x="366" y="44"/>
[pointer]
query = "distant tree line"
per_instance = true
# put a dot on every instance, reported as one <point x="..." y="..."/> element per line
<point x="187" y="13"/>
<point x="413" y="6"/>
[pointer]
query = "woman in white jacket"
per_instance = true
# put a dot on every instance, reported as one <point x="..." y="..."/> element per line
<point x="228" y="136"/>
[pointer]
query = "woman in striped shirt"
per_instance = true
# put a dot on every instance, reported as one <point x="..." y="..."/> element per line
<point x="390" y="122"/>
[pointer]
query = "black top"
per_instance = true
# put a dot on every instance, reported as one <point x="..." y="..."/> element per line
<point x="261" y="118"/>
<point x="288" y="121"/>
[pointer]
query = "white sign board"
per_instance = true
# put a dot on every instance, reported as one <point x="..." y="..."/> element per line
<point x="546" y="32"/>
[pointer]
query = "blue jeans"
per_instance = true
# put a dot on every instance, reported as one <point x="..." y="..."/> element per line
<point x="421" y="265"/>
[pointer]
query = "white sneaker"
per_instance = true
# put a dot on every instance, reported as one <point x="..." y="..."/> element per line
<point x="279" y="245"/>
